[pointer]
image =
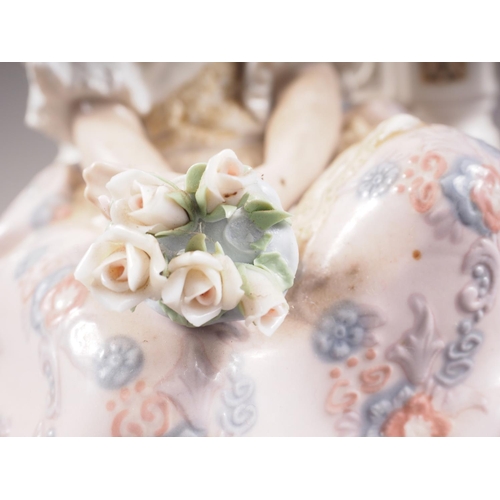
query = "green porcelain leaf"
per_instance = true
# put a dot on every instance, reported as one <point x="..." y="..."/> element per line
<point x="218" y="249"/>
<point x="220" y="213"/>
<point x="267" y="218"/>
<point x="177" y="318"/>
<point x="275" y="264"/>
<point x="245" y="286"/>
<point x="263" y="214"/>
<point x="184" y="201"/>
<point x="261" y="244"/>
<point x="197" y="242"/>
<point x="187" y="228"/>
<point x="257" y="205"/>
<point x="193" y="177"/>
<point x="201" y="199"/>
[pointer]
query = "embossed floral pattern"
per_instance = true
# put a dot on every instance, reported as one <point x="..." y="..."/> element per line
<point x="378" y="180"/>
<point x="474" y="191"/>
<point x="421" y="180"/>
<point x="424" y="189"/>
<point x="417" y="418"/>
<point x="378" y="408"/>
<point x="419" y="346"/>
<point x="118" y="362"/>
<point x="66" y="296"/>
<point x="140" y="411"/>
<point x="343" y="329"/>
<point x="486" y="195"/>
<point x="240" y="413"/>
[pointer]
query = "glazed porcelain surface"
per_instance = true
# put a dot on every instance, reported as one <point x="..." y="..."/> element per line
<point x="392" y="329"/>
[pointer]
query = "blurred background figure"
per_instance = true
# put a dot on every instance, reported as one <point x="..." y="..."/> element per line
<point x="464" y="95"/>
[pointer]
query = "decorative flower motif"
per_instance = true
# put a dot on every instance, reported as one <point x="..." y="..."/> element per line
<point x="486" y="195"/>
<point x="343" y="330"/>
<point x="378" y="409"/>
<point x="222" y="204"/>
<point x="123" y="268"/>
<point x="474" y="190"/>
<point x="224" y="181"/>
<point x="424" y="188"/>
<point x="140" y="411"/>
<point x="143" y="201"/>
<point x="118" y="362"/>
<point x="378" y="180"/>
<point x="423" y="194"/>
<point x="200" y="286"/>
<point x="62" y="299"/>
<point x="263" y="304"/>
<point x="417" y="418"/>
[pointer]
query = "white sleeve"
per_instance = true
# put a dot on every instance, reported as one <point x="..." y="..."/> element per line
<point x="56" y="88"/>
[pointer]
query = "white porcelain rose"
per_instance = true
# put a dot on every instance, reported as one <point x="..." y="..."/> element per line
<point x="264" y="303"/>
<point x="224" y="181"/>
<point x="143" y="201"/>
<point x="201" y="285"/>
<point x="123" y="268"/>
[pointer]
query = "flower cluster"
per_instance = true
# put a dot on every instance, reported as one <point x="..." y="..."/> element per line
<point x="474" y="190"/>
<point x="174" y="243"/>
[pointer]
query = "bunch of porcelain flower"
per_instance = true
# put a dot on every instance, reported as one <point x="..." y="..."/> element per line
<point x="126" y="265"/>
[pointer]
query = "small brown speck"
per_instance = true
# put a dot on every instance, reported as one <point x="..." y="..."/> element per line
<point x="417" y="254"/>
<point x="282" y="182"/>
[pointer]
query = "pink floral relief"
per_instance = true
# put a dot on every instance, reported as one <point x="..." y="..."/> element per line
<point x="143" y="412"/>
<point x="423" y="188"/>
<point x="67" y="295"/>
<point x="417" y="418"/>
<point x="486" y="195"/>
<point x="338" y="399"/>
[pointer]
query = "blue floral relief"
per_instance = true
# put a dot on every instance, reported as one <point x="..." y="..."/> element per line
<point x="378" y="408"/>
<point x="343" y="329"/>
<point x="36" y="315"/>
<point x="118" y="362"/>
<point x="378" y="180"/>
<point x="457" y="186"/>
<point x="459" y="354"/>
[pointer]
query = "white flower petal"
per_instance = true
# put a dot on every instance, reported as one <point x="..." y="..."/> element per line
<point x="272" y="320"/>
<point x="196" y="258"/>
<point x="201" y="285"/>
<point x="225" y="179"/>
<point x="138" y="267"/>
<point x="197" y="314"/>
<point x="265" y="306"/>
<point x="139" y="200"/>
<point x="122" y="268"/>
<point x="197" y="283"/>
<point x="231" y="284"/>
<point x="173" y="289"/>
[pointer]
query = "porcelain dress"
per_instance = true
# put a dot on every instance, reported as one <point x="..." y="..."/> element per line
<point x="393" y="320"/>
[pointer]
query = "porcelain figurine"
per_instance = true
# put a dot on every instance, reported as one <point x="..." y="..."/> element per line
<point x="391" y="318"/>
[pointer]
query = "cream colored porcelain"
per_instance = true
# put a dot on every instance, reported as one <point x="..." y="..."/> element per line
<point x="392" y="325"/>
